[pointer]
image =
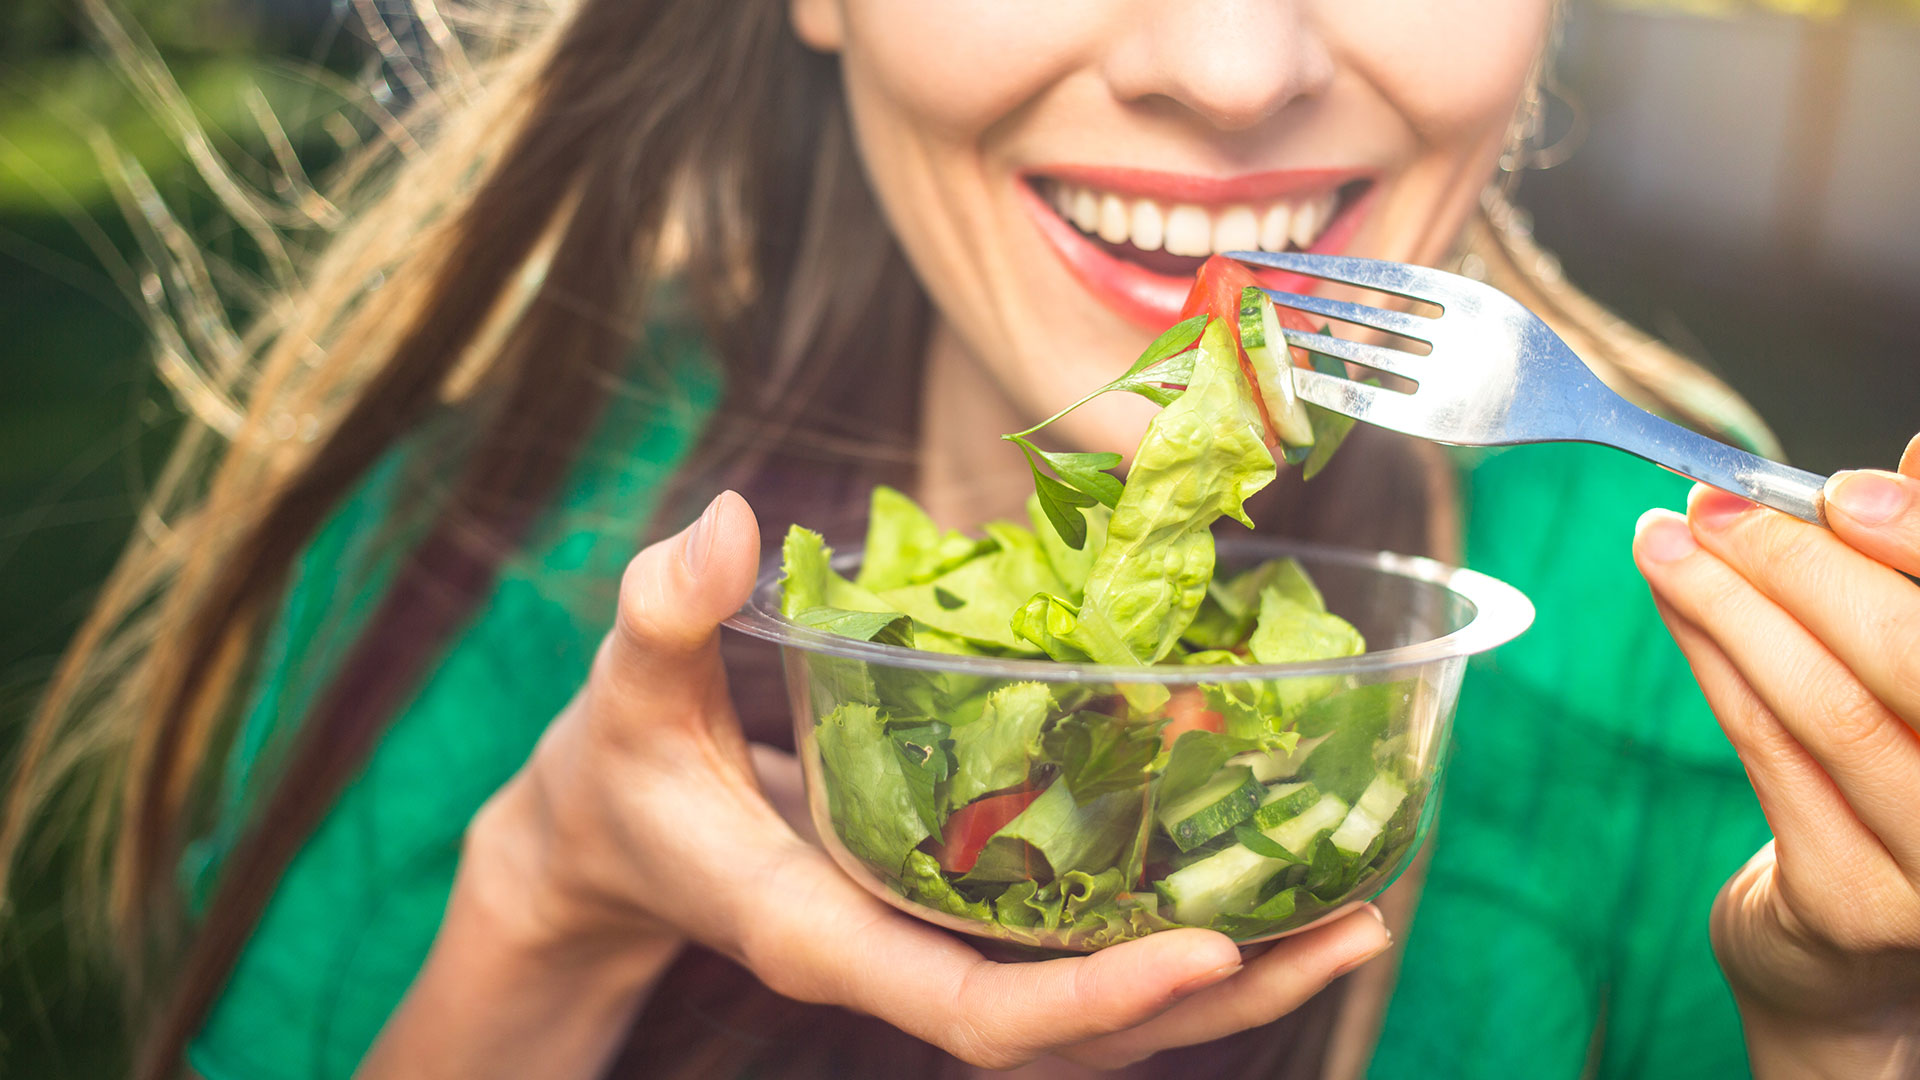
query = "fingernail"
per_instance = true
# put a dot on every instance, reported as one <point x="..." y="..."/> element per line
<point x="1868" y="496"/>
<point x="1201" y="982"/>
<point x="1714" y="508"/>
<point x="1663" y="536"/>
<point x="1379" y="917"/>
<point x="699" y="541"/>
<point x="1354" y="963"/>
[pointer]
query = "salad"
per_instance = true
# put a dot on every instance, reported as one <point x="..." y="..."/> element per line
<point x="1074" y="814"/>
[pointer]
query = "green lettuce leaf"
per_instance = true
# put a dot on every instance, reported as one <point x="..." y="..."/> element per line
<point x="1055" y="835"/>
<point x="923" y="883"/>
<point x="1195" y="757"/>
<point x="926" y="761"/>
<point x="1030" y="904"/>
<point x="1288" y="632"/>
<point x="1201" y="457"/>
<point x="868" y="794"/>
<point x="887" y="627"/>
<point x="1353" y="722"/>
<point x="977" y="600"/>
<point x="1265" y="919"/>
<point x="904" y="546"/>
<point x="1070" y="565"/>
<point x="1098" y="753"/>
<point x="998" y="749"/>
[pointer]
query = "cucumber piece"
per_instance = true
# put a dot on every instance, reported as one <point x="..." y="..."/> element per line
<point x="1231" y="881"/>
<point x="1299" y="833"/>
<point x="1216" y="806"/>
<point x="1369" y="815"/>
<point x="1266" y="346"/>
<point x="1283" y="801"/>
<point x="1269" y="766"/>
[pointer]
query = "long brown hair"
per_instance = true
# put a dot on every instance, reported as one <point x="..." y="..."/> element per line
<point x="485" y="266"/>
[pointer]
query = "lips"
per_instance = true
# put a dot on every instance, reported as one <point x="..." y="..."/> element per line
<point x="1135" y="237"/>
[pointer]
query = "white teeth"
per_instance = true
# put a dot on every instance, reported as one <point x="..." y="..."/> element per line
<point x="1149" y="227"/>
<point x="1189" y="232"/>
<point x="1274" y="228"/>
<point x="1235" y="230"/>
<point x="1086" y="210"/>
<point x="1309" y="219"/>
<point x="1113" y="219"/>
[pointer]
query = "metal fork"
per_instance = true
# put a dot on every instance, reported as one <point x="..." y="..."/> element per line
<point x="1498" y="376"/>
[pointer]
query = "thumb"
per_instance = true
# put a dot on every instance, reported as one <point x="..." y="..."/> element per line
<point x="675" y="594"/>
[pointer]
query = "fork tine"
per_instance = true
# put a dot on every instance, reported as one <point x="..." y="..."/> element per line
<point x="1400" y="279"/>
<point x="1391" y="361"/>
<point x="1417" y="327"/>
<point x="1372" y="404"/>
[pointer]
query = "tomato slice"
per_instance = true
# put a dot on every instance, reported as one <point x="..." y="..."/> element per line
<point x="968" y="828"/>
<point x="1187" y="711"/>
<point x="1216" y="293"/>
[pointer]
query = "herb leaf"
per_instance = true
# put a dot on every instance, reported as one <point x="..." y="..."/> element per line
<point x="1062" y="506"/>
<point x="1261" y="844"/>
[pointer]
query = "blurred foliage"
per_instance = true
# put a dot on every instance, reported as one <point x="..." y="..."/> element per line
<point x="37" y="27"/>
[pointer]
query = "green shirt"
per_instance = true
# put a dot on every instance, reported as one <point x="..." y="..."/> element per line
<point x="1591" y="812"/>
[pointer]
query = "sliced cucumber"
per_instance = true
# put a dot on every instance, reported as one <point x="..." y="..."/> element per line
<point x="1269" y="766"/>
<point x="1284" y="801"/>
<point x="1218" y="805"/>
<point x="1369" y="815"/>
<point x="1266" y="347"/>
<point x="1231" y="881"/>
<point x="1298" y="833"/>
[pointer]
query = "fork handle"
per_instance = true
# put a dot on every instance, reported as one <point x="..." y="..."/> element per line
<point x="1787" y="489"/>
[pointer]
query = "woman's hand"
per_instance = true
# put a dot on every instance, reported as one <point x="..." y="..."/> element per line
<point x="639" y="825"/>
<point x="1807" y="644"/>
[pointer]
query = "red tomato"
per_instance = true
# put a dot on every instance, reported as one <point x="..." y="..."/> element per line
<point x="969" y="827"/>
<point x="1216" y="292"/>
<point x="1187" y="711"/>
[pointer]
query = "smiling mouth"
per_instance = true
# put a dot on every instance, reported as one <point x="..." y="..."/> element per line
<point x="1136" y="238"/>
<point x="1174" y="238"/>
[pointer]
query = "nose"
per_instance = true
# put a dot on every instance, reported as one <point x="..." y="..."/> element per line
<point x="1232" y="63"/>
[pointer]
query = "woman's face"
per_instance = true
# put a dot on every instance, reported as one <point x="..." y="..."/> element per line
<point x="1056" y="171"/>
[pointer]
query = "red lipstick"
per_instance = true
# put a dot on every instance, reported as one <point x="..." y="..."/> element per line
<point x="1153" y="299"/>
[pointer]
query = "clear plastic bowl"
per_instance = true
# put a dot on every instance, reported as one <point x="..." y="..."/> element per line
<point x="1421" y="620"/>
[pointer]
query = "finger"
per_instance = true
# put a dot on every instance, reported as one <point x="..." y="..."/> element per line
<point x="1878" y="513"/>
<point x="1871" y="755"/>
<point x="824" y="939"/>
<point x="1865" y="612"/>
<point x="1275" y="983"/>
<point x="1806" y="810"/>
<point x="673" y="597"/>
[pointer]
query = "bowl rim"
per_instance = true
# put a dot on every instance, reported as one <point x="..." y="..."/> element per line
<point x="1501" y="613"/>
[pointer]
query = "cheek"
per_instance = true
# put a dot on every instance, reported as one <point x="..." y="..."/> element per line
<point x="957" y="68"/>
<point x="1454" y="69"/>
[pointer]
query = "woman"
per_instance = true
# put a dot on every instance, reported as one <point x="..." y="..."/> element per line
<point x="784" y="188"/>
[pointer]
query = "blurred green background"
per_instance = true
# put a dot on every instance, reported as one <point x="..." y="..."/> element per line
<point x="1740" y="182"/>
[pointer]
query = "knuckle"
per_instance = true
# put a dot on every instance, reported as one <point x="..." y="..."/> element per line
<point x="1854" y="722"/>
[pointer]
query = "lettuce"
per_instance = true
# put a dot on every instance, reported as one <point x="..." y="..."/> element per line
<point x="873" y="804"/>
<point x="1201" y="458"/>
<point x="997" y="750"/>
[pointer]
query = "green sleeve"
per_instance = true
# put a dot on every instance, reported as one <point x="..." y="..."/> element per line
<point x="352" y="918"/>
<point x="1592" y="810"/>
